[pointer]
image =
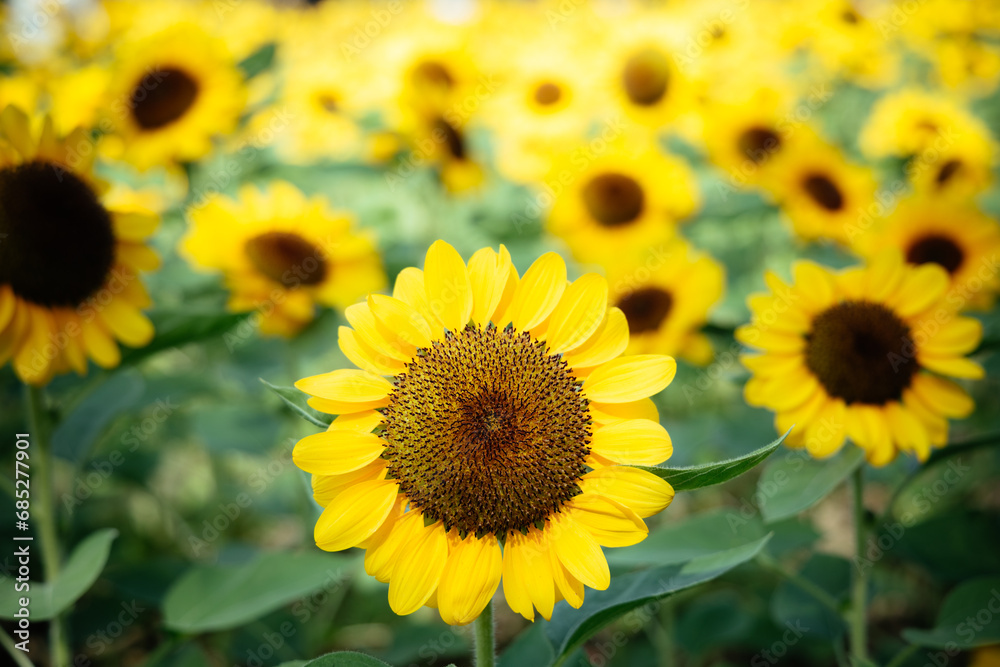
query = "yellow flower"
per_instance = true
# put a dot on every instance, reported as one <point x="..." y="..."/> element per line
<point x="625" y="197"/>
<point x="848" y="43"/>
<point x="823" y="195"/>
<point x="665" y="294"/>
<point x="954" y="235"/>
<point x="499" y="446"/>
<point x="282" y="253"/>
<point x="69" y="258"/>
<point x="171" y="93"/>
<point x="911" y="121"/>
<point x="859" y="354"/>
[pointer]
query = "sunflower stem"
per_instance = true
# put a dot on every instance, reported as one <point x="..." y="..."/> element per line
<point x="859" y="592"/>
<point x="44" y="512"/>
<point x="20" y="659"/>
<point x="485" y="640"/>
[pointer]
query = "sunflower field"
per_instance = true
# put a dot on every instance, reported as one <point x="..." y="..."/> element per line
<point x="499" y="332"/>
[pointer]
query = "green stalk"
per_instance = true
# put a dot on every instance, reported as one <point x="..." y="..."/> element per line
<point x="859" y="592"/>
<point x="20" y="659"/>
<point x="485" y="641"/>
<point x="44" y="513"/>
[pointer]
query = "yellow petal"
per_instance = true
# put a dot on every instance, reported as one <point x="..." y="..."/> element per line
<point x="99" y="344"/>
<point x="537" y="294"/>
<point x="470" y="579"/>
<point x="642" y="492"/>
<point x="7" y="303"/>
<point x="608" y="521"/>
<point x="337" y="452"/>
<point x="644" y="408"/>
<point x="399" y="322"/>
<point x="127" y="323"/>
<point x="579" y="313"/>
<point x="816" y="282"/>
<point x="630" y="378"/>
<point x="567" y="587"/>
<point x="958" y="336"/>
<point x="942" y="396"/>
<point x="633" y="441"/>
<point x="579" y="552"/>
<point x="380" y="559"/>
<point x="492" y="276"/>
<point x="446" y="280"/>
<point x="355" y="514"/>
<point x="921" y="286"/>
<point x="365" y="422"/>
<point x="907" y="431"/>
<point x="958" y="367"/>
<point x="347" y="385"/>
<point x="327" y="487"/>
<point x="361" y="319"/>
<point x="608" y="342"/>
<point x="366" y="357"/>
<point x="527" y="574"/>
<point x="420" y="564"/>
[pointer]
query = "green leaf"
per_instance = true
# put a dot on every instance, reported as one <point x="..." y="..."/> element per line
<point x="342" y="659"/>
<point x="78" y="431"/>
<point x="796" y="481"/>
<point x="969" y="617"/>
<point x="792" y="606"/>
<point x="218" y="597"/>
<point x="258" y="61"/>
<point x="530" y="648"/>
<point x="569" y="628"/>
<point x="178" y="328"/>
<point x="709" y="474"/>
<point x="296" y="402"/>
<point x="49" y="599"/>
<point x="693" y="537"/>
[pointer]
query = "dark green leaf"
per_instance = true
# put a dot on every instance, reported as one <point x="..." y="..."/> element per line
<point x="796" y="481"/>
<point x="78" y="574"/>
<point x="345" y="659"/>
<point x="258" y="61"/>
<point x="954" y="546"/>
<point x="76" y="434"/>
<point x="709" y="474"/>
<point x="792" y="605"/>
<point x="969" y="617"/>
<point x="569" y="628"/>
<point x="178" y="328"/>
<point x="296" y="402"/>
<point x="217" y="597"/>
<point x="531" y="648"/>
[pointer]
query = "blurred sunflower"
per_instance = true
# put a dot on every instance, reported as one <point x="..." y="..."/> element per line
<point x="171" y="93"/>
<point x="665" y="294"/>
<point x="822" y="193"/>
<point x="911" y="121"/>
<point x="612" y="202"/>
<point x="470" y="464"/>
<point x="282" y="253"/>
<point x="69" y="258"/>
<point x="956" y="236"/>
<point x="858" y="354"/>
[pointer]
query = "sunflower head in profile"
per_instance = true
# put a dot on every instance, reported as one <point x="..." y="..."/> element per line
<point x="822" y="194"/>
<point x="281" y="254"/>
<point x="487" y="435"/>
<point x="620" y="200"/>
<point x="954" y="235"/>
<point x="69" y="257"/>
<point x="665" y="294"/>
<point x="171" y="93"/>
<point x="860" y="354"/>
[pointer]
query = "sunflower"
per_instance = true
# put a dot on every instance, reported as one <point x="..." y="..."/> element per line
<point x="859" y="354"/>
<point x="171" y="93"/>
<point x="665" y="294"/>
<point x="954" y="235"/>
<point x="69" y="258"/>
<point x="282" y="253"/>
<point x="913" y="121"/>
<point x="622" y="198"/>
<point x="500" y="445"/>
<point x="821" y="193"/>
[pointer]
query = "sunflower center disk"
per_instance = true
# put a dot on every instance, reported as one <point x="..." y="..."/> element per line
<point x="57" y="245"/>
<point x="757" y="143"/>
<point x="645" y="309"/>
<point x="613" y="199"/>
<point x="487" y="432"/>
<point x="824" y="192"/>
<point x="940" y="250"/>
<point x="861" y="352"/>
<point x="162" y="97"/>
<point x="646" y="77"/>
<point x="286" y="258"/>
